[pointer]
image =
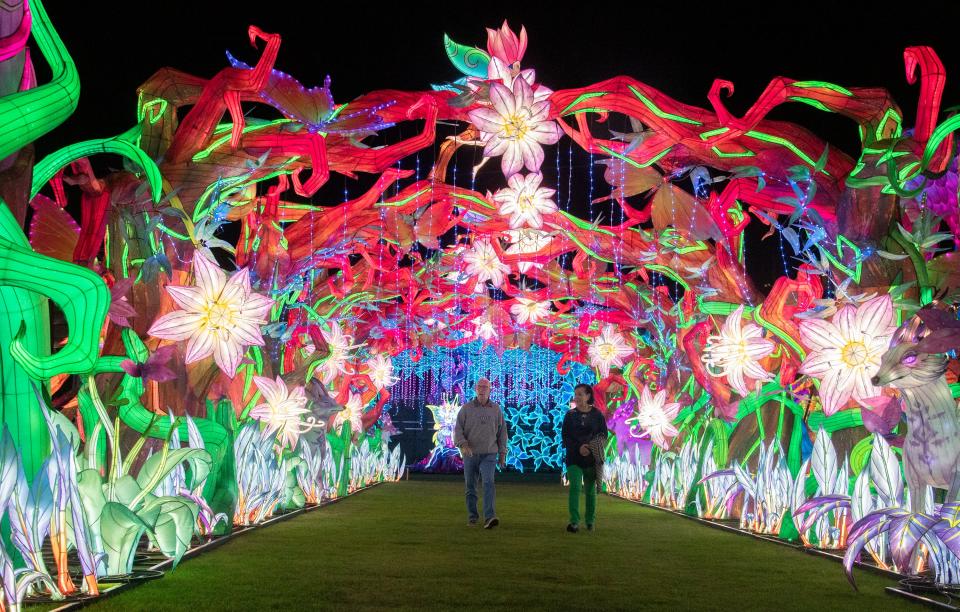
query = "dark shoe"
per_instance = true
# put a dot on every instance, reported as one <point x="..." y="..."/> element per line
<point x="491" y="523"/>
<point x="589" y="527"/>
<point x="472" y="522"/>
<point x="573" y="528"/>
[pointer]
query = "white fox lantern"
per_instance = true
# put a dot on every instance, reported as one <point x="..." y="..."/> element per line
<point x="915" y="364"/>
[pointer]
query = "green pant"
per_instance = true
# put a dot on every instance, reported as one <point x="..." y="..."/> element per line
<point x="579" y="478"/>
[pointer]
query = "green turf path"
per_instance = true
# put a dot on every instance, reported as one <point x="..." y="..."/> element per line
<point x="407" y="546"/>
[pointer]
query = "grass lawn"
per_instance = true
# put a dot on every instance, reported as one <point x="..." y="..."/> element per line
<point x="407" y="546"/>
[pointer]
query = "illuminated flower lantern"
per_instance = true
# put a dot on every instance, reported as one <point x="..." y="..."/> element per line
<point x="380" y="371"/>
<point x="845" y="352"/>
<point x="484" y="328"/>
<point x="482" y="261"/>
<point x="351" y="414"/>
<point x="607" y="350"/>
<point x="655" y="417"/>
<point x="340" y="346"/>
<point x="219" y="316"/>
<point x="530" y="311"/>
<point x="525" y="201"/>
<point x="516" y="127"/>
<point x="506" y="50"/>
<point x="282" y="410"/>
<point x="504" y="45"/>
<point x="736" y="352"/>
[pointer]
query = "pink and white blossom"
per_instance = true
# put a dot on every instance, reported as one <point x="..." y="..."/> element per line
<point x="608" y="349"/>
<point x="218" y="316"/>
<point x="497" y="70"/>
<point x="525" y="201"/>
<point x="655" y="417"/>
<point x="515" y="127"/>
<point x="737" y="351"/>
<point x="482" y="261"/>
<point x="845" y="352"/>
<point x="529" y="311"/>
<point x="484" y="328"/>
<point x="352" y="413"/>
<point x="340" y="345"/>
<point x="380" y="371"/>
<point x="505" y="45"/>
<point x="282" y="410"/>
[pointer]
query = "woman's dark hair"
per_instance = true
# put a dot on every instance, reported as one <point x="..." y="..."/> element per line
<point x="588" y="389"/>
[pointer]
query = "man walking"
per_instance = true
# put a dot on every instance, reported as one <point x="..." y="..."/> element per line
<point x="481" y="436"/>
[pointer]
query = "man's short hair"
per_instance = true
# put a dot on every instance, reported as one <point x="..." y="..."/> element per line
<point x="483" y="380"/>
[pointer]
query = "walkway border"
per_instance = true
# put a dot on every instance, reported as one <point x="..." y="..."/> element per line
<point x="890" y="590"/>
<point x="216" y="542"/>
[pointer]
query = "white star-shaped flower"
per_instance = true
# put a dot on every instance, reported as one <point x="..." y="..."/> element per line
<point x="516" y="127"/>
<point x="352" y="413"/>
<point x="340" y="346"/>
<point x="482" y="261"/>
<point x="219" y="316"/>
<point x="281" y="409"/>
<point x="484" y="327"/>
<point x="736" y="351"/>
<point x="380" y="371"/>
<point x="845" y="352"/>
<point x="525" y="201"/>
<point x="608" y="349"/>
<point x="527" y="310"/>
<point x="655" y="417"/>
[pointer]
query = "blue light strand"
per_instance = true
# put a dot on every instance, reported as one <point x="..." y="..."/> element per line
<point x="534" y="396"/>
<point x="783" y="255"/>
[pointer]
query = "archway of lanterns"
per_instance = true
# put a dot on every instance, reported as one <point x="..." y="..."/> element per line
<point x="224" y="310"/>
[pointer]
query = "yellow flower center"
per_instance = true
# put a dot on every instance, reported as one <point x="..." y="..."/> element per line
<point x="525" y="203"/>
<point x="607" y="351"/>
<point x="854" y="353"/>
<point x="219" y="316"/>
<point x="516" y="128"/>
<point x="741" y="357"/>
<point x="488" y="262"/>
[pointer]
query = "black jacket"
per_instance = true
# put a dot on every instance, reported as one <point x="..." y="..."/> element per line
<point x="579" y="428"/>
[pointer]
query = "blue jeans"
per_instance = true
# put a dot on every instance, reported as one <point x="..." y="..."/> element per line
<point x="486" y="466"/>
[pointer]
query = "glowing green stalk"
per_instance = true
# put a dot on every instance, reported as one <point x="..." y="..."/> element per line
<point x="28" y="115"/>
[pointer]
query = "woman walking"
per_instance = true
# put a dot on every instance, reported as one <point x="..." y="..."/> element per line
<point x="584" y="434"/>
